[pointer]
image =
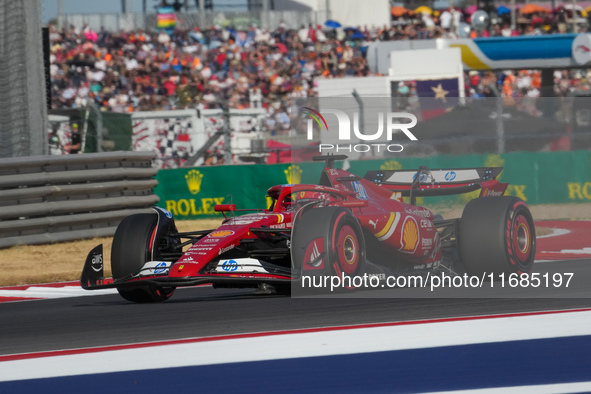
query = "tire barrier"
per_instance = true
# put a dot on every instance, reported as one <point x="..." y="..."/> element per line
<point x="47" y="199"/>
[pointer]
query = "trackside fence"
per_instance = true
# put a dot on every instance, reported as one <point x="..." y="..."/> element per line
<point x="47" y="199"/>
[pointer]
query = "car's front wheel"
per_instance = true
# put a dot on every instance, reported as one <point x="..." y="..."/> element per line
<point x="132" y="248"/>
<point x="328" y="241"/>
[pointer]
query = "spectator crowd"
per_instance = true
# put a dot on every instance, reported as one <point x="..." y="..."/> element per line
<point x="141" y="70"/>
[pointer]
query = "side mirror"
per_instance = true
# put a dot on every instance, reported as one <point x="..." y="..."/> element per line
<point x="224" y="208"/>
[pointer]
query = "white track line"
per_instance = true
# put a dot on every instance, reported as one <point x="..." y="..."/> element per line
<point x="54" y="292"/>
<point x="559" y="388"/>
<point x="555" y="233"/>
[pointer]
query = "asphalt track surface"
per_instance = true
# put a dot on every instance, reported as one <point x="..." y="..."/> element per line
<point x="45" y="325"/>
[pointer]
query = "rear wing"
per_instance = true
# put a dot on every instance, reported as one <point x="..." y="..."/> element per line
<point x="440" y="182"/>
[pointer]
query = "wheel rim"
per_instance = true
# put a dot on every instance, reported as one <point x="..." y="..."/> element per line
<point x="521" y="238"/>
<point x="348" y="250"/>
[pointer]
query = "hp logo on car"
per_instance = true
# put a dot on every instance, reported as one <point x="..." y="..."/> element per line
<point x="450" y="176"/>
<point x="230" y="265"/>
<point x="160" y="268"/>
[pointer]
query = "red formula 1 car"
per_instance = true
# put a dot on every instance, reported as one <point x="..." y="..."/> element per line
<point x="345" y="226"/>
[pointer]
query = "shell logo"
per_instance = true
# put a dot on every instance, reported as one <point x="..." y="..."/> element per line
<point x="221" y="234"/>
<point x="410" y="235"/>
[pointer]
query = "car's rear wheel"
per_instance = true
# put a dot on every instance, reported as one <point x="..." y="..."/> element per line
<point x="132" y="248"/>
<point x="497" y="235"/>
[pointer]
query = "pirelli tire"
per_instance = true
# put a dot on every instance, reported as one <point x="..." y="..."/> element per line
<point x="497" y="235"/>
<point x="334" y="233"/>
<point x="132" y="248"/>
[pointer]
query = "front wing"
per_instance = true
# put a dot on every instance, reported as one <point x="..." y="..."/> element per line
<point x="92" y="277"/>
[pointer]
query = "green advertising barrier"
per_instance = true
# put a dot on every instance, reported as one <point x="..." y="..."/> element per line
<point x="191" y="193"/>
<point x="537" y="178"/>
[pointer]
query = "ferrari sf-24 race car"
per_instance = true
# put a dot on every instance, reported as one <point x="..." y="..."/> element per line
<point x="345" y="226"/>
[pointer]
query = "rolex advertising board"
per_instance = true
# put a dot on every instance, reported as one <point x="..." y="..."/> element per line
<point x="192" y="193"/>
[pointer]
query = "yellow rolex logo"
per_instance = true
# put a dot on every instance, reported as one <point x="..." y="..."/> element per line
<point x="194" y="178"/>
<point x="391" y="165"/>
<point x="293" y="174"/>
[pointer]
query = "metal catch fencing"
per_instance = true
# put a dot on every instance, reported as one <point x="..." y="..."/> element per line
<point x="48" y="199"/>
<point x="189" y="20"/>
<point x="22" y="82"/>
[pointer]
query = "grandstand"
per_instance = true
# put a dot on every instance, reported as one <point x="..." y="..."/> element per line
<point x="197" y="66"/>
